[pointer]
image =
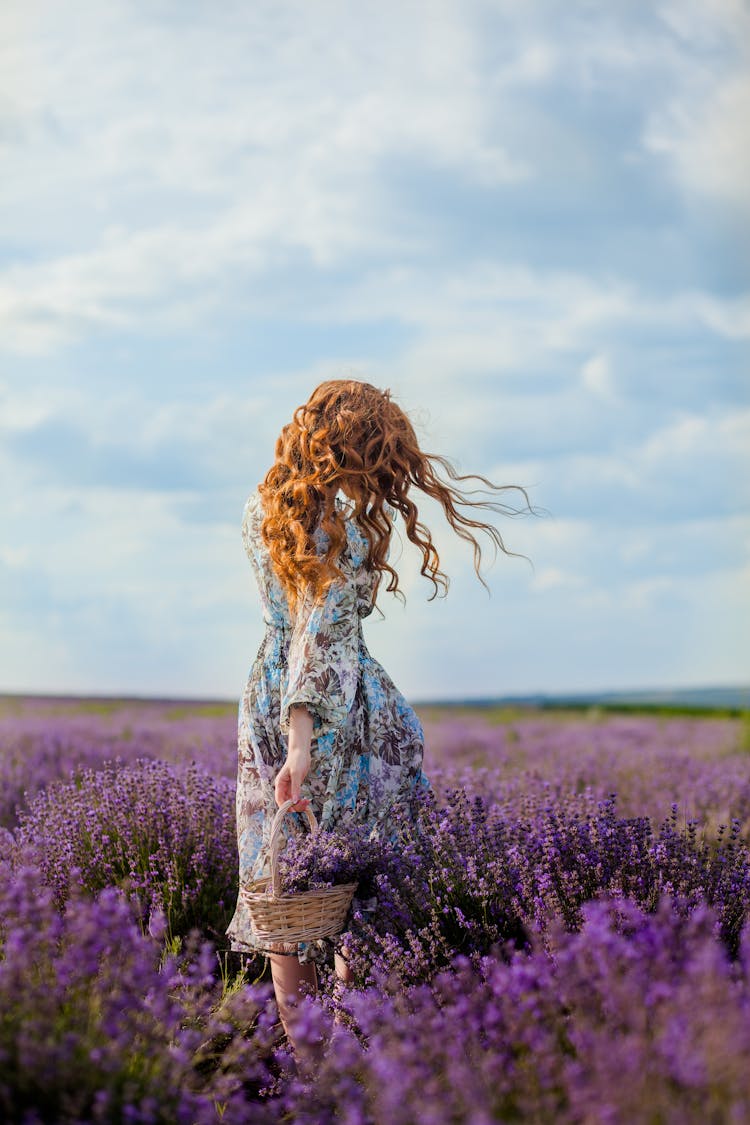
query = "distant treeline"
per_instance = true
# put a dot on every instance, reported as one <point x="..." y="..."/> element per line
<point x="717" y="703"/>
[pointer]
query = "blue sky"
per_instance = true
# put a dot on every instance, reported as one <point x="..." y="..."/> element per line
<point x="529" y="221"/>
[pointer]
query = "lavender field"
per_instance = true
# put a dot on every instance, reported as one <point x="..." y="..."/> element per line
<point x="565" y="939"/>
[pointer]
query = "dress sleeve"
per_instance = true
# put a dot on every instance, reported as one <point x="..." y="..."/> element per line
<point x="323" y="661"/>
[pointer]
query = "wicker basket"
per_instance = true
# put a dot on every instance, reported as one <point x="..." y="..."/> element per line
<point x="307" y="916"/>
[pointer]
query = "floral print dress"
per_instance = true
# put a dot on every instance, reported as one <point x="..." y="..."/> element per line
<point x="367" y="742"/>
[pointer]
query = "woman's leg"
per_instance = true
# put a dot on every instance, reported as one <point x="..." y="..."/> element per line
<point x="343" y="972"/>
<point x="344" y="976"/>
<point x="288" y="976"/>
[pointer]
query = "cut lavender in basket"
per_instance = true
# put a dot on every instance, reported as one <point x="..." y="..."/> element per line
<point x="346" y="854"/>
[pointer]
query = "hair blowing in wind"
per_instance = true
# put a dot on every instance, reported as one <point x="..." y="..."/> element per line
<point x="352" y="435"/>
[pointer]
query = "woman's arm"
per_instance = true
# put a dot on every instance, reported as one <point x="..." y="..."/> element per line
<point x="296" y="767"/>
<point x="323" y="672"/>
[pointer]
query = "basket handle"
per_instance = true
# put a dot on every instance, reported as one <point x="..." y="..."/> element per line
<point x="275" y="841"/>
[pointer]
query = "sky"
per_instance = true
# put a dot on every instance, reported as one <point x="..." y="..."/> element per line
<point x="528" y="221"/>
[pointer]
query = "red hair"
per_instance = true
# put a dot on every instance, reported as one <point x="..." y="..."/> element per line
<point x="351" y="435"/>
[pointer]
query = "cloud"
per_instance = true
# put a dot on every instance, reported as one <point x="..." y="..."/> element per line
<point x="690" y="467"/>
<point x="522" y="219"/>
<point x="700" y="127"/>
<point x="707" y="142"/>
<point x="129" y="441"/>
<point x="596" y="376"/>
<point x="287" y="164"/>
<point x="251" y="174"/>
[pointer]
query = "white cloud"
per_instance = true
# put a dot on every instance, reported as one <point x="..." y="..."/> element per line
<point x="648" y="592"/>
<point x="596" y="375"/>
<point x="275" y="132"/>
<point x="708" y="142"/>
<point x="553" y="578"/>
<point x="701" y="127"/>
<point x="689" y="466"/>
<point x="697" y="439"/>
<point x="14" y="557"/>
<point x="168" y="172"/>
<point x="275" y="116"/>
<point x="729" y="317"/>
<point x="22" y="407"/>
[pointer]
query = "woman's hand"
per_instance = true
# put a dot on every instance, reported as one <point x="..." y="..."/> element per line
<point x="297" y="765"/>
<point x="290" y="777"/>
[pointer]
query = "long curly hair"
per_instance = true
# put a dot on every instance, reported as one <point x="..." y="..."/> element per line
<point x="353" y="436"/>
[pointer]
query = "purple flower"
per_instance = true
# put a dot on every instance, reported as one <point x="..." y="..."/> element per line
<point x="166" y="836"/>
<point x="97" y="1024"/>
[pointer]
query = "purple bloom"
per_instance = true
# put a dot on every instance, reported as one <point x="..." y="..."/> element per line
<point x="564" y="935"/>
<point x="166" y="836"/>
<point x="97" y="1024"/>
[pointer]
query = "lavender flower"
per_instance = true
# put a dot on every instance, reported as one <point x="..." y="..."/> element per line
<point x="166" y="836"/>
<point x="98" y="1025"/>
<point x="546" y="1035"/>
<point x="563" y="935"/>
<point x="346" y="854"/>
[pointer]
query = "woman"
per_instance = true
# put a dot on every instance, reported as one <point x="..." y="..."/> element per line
<point x="317" y="710"/>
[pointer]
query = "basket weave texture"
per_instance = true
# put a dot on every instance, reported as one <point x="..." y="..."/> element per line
<point x="277" y="917"/>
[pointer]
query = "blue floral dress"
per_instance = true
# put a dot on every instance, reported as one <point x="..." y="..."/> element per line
<point x="367" y="742"/>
